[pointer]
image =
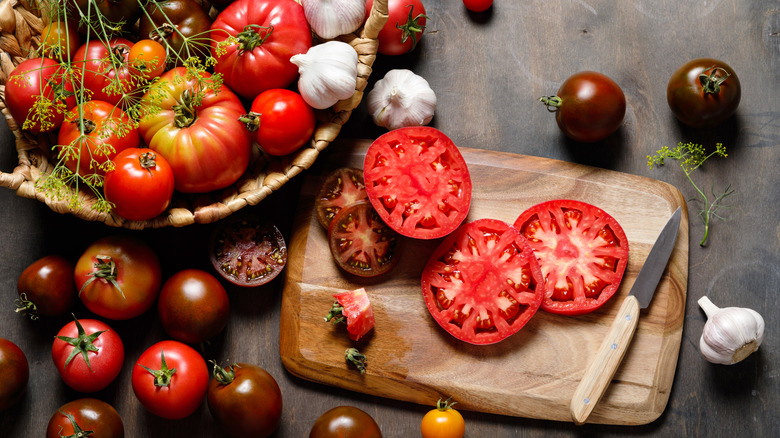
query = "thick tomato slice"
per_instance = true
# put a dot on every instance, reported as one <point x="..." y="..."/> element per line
<point x="483" y="283"/>
<point x="361" y="243"/>
<point x="341" y="187"/>
<point x="356" y="308"/>
<point x="418" y="182"/>
<point x="582" y="251"/>
<point x="248" y="250"/>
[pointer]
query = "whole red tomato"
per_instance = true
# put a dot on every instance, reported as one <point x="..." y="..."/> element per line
<point x="589" y="106"/>
<point x="269" y="32"/>
<point x="180" y="25"/>
<point x="170" y="379"/>
<point x="14" y="373"/>
<point x="105" y="69"/>
<point x="703" y="92"/>
<point x="478" y="5"/>
<point x="38" y="80"/>
<point x="86" y="417"/>
<point x="88" y="354"/>
<point x="280" y="121"/>
<point x="141" y="184"/>
<point x="193" y="306"/>
<point x="92" y="134"/>
<point x="345" y="422"/>
<point x="245" y="400"/>
<point x="206" y="145"/>
<point x="118" y="277"/>
<point x="46" y="287"/>
<point x="147" y="59"/>
<point x="60" y="40"/>
<point x="404" y="27"/>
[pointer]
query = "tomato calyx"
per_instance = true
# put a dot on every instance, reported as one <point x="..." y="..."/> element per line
<point x="78" y="432"/>
<point x="26" y="307"/>
<point x="148" y="161"/>
<point x="251" y="120"/>
<point x="711" y="82"/>
<point x="336" y="314"/>
<point x="412" y="28"/>
<point x="164" y="375"/>
<point x="356" y="358"/>
<point x="225" y="376"/>
<point x="552" y="103"/>
<point x="252" y="36"/>
<point x="184" y="113"/>
<point x="81" y="344"/>
<point x="444" y="405"/>
<point x="105" y="268"/>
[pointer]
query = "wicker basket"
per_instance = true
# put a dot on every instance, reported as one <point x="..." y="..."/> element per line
<point x="264" y="175"/>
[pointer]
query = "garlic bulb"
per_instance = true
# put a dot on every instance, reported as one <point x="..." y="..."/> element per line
<point x="331" y="18"/>
<point x="731" y="334"/>
<point x="401" y="99"/>
<point x="328" y="73"/>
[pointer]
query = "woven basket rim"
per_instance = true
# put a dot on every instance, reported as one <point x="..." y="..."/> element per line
<point x="264" y="175"/>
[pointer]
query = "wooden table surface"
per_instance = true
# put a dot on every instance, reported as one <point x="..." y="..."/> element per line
<point x="488" y="70"/>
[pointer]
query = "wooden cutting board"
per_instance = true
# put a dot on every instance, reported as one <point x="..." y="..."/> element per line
<point x="530" y="374"/>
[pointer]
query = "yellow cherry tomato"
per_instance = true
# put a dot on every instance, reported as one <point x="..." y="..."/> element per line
<point x="443" y="422"/>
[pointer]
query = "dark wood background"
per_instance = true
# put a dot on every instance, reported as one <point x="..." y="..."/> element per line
<point x="487" y="70"/>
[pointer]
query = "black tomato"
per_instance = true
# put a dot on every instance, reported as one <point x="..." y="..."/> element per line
<point x="704" y="92"/>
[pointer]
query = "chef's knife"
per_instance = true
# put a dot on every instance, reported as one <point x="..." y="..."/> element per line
<point x="610" y="353"/>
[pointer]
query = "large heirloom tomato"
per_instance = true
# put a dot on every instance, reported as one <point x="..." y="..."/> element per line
<point x="172" y="22"/>
<point x="582" y="251"/>
<point x="88" y="354"/>
<point x="37" y="96"/>
<point x="170" y="379"/>
<point x="206" y="145"/>
<point x="245" y="400"/>
<point x="269" y="32"/>
<point x="14" y="373"/>
<point x="483" y="283"/>
<point x="92" y="134"/>
<point x="589" y="106"/>
<point x="46" y="287"/>
<point x="418" y="182"/>
<point x="404" y="27"/>
<point x="118" y="277"/>
<point x="141" y="184"/>
<point x="105" y="69"/>
<point x="703" y="92"/>
<point x="86" y="417"/>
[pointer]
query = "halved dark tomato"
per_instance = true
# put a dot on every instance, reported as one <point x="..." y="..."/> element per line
<point x="248" y="250"/>
<point x="361" y="243"/>
<point x="418" y="182"/>
<point x="341" y="187"/>
<point x="483" y="283"/>
<point x="582" y="251"/>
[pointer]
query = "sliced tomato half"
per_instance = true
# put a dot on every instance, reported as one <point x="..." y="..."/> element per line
<point x="340" y="188"/>
<point x="361" y="243"/>
<point x="357" y="310"/>
<point x="483" y="283"/>
<point x="582" y="251"/>
<point x="418" y="182"/>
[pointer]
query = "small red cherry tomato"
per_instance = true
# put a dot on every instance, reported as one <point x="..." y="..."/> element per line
<point x="141" y="184"/>
<point x="280" y="121"/>
<point x="478" y="5"/>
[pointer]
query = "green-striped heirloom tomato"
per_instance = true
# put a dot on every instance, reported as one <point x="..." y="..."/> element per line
<point x="86" y="417"/>
<point x="197" y="131"/>
<point x="118" y="277"/>
<point x="14" y="373"/>
<point x="141" y="184"/>
<point x="36" y="95"/>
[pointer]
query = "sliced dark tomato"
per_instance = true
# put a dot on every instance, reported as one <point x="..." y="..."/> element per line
<point x="341" y="187"/>
<point x="483" y="283"/>
<point x="355" y="307"/>
<point x="361" y="243"/>
<point x="248" y="250"/>
<point x="582" y="251"/>
<point x="418" y="182"/>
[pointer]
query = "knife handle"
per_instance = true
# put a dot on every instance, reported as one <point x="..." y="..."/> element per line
<point x="608" y="358"/>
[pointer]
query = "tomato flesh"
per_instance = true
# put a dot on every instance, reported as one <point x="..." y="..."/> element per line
<point x="358" y="312"/>
<point x="361" y="243"/>
<point x="418" y="182"/>
<point x="483" y="283"/>
<point x="582" y="251"/>
<point x="341" y="188"/>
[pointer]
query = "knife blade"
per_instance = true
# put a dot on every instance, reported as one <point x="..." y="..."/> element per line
<point x="609" y="355"/>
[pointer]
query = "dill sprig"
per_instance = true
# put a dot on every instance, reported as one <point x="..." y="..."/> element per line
<point x="691" y="156"/>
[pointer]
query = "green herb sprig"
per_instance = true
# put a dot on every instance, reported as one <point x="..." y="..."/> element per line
<point x="690" y="157"/>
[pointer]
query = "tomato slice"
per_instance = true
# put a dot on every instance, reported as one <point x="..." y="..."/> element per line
<point x="248" y="250"/>
<point x="582" y="251"/>
<point x="361" y="243"/>
<point x="483" y="283"/>
<point x="340" y="188"/>
<point x="356" y="308"/>
<point x="418" y="182"/>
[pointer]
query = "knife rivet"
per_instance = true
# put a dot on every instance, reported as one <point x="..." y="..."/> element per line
<point x="628" y="317"/>
<point x="586" y="401"/>
<point x="614" y="346"/>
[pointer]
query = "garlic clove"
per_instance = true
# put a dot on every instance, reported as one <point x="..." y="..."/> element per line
<point x="331" y="18"/>
<point x="730" y="334"/>
<point x="401" y="99"/>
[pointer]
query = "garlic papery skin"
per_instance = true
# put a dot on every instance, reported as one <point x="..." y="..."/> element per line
<point x="730" y="334"/>
<point x="328" y="73"/>
<point x="331" y="18"/>
<point x="401" y="99"/>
